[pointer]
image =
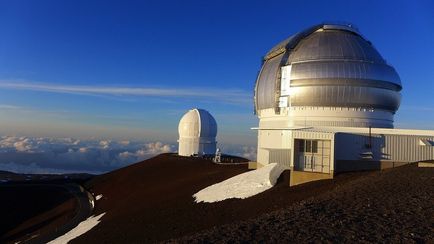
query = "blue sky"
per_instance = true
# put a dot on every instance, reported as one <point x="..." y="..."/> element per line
<point x="130" y="69"/>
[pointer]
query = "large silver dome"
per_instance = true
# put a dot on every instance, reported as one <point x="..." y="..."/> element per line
<point x="329" y="66"/>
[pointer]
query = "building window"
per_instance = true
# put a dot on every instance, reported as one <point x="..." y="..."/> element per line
<point x="310" y="146"/>
<point x="314" y="146"/>
<point x="426" y="142"/>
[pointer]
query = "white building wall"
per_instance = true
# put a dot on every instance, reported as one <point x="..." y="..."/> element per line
<point x="350" y="144"/>
<point x="278" y="145"/>
<point x="339" y="116"/>
<point x="407" y="148"/>
<point x="274" y="145"/>
<point x="263" y="156"/>
<point x="385" y="147"/>
<point x="191" y="146"/>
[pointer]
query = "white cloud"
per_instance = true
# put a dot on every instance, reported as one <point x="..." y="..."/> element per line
<point x="125" y="143"/>
<point x="51" y="155"/>
<point x="105" y="144"/>
<point x="67" y="155"/>
<point x="226" y="95"/>
<point x="7" y="106"/>
<point x="157" y="147"/>
<point x="152" y="148"/>
<point x="249" y="152"/>
<point x="34" y="168"/>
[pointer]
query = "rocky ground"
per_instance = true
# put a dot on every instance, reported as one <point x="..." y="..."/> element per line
<point x="30" y="210"/>
<point x="392" y="206"/>
<point x="152" y="201"/>
<point x="35" y="205"/>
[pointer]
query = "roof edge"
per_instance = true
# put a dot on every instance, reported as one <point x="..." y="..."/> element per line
<point x="292" y="41"/>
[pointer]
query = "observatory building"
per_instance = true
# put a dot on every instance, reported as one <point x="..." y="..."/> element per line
<point x="197" y="133"/>
<point x="326" y="100"/>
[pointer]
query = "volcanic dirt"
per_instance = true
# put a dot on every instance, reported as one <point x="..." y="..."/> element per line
<point x="392" y="206"/>
<point x="152" y="201"/>
<point x="37" y="207"/>
<point x="28" y="211"/>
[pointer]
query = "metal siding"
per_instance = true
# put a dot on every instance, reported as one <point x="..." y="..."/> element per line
<point x="406" y="148"/>
<point x="280" y="156"/>
<point x="396" y="148"/>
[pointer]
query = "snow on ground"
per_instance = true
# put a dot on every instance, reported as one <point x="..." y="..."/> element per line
<point x="79" y="230"/>
<point x="242" y="185"/>
<point x="98" y="197"/>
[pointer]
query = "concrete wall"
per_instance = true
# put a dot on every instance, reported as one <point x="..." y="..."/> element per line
<point x="300" y="177"/>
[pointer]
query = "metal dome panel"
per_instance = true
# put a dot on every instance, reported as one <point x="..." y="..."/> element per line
<point x="266" y="84"/>
<point x="334" y="45"/>
<point x="330" y="65"/>
<point x="370" y="74"/>
<point x="346" y="96"/>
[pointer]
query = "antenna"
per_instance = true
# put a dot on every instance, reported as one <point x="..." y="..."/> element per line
<point x="218" y="156"/>
<point x="370" y="138"/>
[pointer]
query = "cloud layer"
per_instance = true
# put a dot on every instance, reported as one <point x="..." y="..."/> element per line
<point x="248" y="152"/>
<point x="40" y="155"/>
<point x="66" y="155"/>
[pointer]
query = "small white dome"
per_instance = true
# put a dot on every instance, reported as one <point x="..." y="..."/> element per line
<point x="197" y="123"/>
<point x="197" y="132"/>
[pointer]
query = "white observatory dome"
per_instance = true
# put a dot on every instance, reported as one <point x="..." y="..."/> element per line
<point x="197" y="132"/>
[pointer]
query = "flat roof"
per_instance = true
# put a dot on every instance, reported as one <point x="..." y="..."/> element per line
<point x="360" y="130"/>
<point x="365" y="130"/>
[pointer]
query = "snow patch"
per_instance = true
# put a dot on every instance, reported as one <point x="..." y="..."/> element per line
<point x="98" y="197"/>
<point x="79" y="230"/>
<point x="243" y="185"/>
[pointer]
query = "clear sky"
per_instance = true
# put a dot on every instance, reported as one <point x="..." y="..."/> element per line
<point x="130" y="69"/>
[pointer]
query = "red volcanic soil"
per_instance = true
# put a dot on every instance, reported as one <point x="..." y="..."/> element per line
<point x="393" y="206"/>
<point x="28" y="210"/>
<point x="152" y="201"/>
